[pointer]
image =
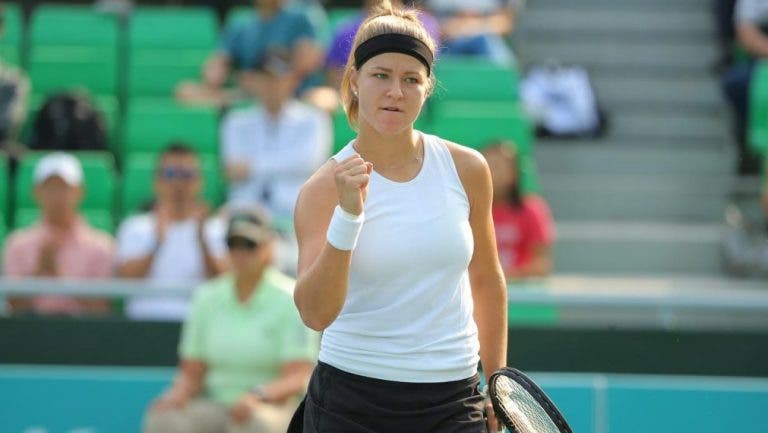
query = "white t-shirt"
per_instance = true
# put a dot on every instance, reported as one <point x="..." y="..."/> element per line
<point x="178" y="260"/>
<point x="751" y="11"/>
<point x="282" y="153"/>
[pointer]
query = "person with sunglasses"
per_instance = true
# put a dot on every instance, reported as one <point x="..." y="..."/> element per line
<point x="175" y="242"/>
<point x="245" y="354"/>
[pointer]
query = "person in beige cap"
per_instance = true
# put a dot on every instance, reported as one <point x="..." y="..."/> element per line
<point x="245" y="354"/>
<point x="61" y="244"/>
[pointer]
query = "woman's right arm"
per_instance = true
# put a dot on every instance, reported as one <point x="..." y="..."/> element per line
<point x="323" y="270"/>
<point x="187" y="385"/>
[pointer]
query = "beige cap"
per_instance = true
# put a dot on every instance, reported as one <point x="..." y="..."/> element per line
<point x="59" y="164"/>
<point x="250" y="223"/>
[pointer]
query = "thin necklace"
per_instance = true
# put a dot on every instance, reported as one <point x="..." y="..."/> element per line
<point x="417" y="158"/>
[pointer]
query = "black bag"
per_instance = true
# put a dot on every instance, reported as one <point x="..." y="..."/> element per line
<point x="68" y="121"/>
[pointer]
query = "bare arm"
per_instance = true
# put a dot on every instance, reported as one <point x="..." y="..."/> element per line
<point x="137" y="268"/>
<point x="187" y="384"/>
<point x="293" y="379"/>
<point x="323" y="270"/>
<point x="539" y="266"/>
<point x="489" y="290"/>
<point x="753" y="39"/>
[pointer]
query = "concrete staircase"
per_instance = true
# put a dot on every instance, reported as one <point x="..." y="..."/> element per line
<point x="649" y="197"/>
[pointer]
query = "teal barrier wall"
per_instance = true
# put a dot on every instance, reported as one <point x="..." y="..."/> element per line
<point x="112" y="400"/>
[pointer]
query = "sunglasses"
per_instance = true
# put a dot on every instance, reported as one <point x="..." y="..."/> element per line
<point x="241" y="244"/>
<point x="172" y="173"/>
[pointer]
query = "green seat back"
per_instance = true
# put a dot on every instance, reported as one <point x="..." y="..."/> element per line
<point x="157" y="72"/>
<point x="99" y="172"/>
<point x="758" y="109"/>
<point x="342" y="131"/>
<point x="151" y="124"/>
<point x="173" y="27"/>
<point x="5" y="180"/>
<point x="3" y="234"/>
<point x="138" y="174"/>
<point x="475" y="79"/>
<point x="73" y="46"/>
<point x="101" y="219"/>
<point x="11" y="44"/>
<point x="474" y="123"/>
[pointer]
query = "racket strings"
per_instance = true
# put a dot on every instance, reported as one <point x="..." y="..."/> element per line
<point x="523" y="409"/>
<point x="543" y="400"/>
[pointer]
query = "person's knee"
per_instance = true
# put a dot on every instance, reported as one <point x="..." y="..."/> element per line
<point x="163" y="422"/>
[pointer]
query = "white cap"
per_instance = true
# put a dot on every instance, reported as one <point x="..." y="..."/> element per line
<point x="59" y="164"/>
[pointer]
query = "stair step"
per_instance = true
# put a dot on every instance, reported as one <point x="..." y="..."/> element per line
<point x="575" y="21"/>
<point x="683" y="125"/>
<point x="648" y="248"/>
<point x="675" y="93"/>
<point x="594" y="157"/>
<point x="608" y="53"/>
<point x="700" y="198"/>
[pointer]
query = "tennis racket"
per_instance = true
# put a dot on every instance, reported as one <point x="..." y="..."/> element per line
<point x="522" y="406"/>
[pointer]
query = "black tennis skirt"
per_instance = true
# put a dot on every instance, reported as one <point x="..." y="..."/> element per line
<point x="341" y="402"/>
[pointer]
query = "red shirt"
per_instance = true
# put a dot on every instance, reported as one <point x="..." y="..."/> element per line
<point x="520" y="230"/>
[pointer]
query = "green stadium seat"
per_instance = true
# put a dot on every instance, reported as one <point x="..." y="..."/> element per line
<point x="138" y="172"/>
<point x="474" y="79"/>
<point x="474" y="123"/>
<point x="73" y="46"/>
<point x="11" y="43"/>
<point x="98" y="218"/>
<point x="168" y="45"/>
<point x="168" y="27"/>
<point x="151" y="124"/>
<point x="99" y="171"/>
<point x="758" y="109"/>
<point x="5" y="180"/>
<point x="3" y="234"/>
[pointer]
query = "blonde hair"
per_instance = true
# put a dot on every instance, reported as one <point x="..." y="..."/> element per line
<point x="383" y="19"/>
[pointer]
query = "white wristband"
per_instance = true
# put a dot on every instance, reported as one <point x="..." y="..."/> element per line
<point x="344" y="229"/>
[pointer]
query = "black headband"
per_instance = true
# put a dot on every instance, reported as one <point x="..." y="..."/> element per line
<point x="394" y="43"/>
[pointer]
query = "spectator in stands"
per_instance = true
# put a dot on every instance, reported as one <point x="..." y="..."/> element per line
<point x="175" y="242"/>
<point x="245" y="354"/>
<point x="269" y="151"/>
<point x="273" y="28"/>
<point x="61" y="244"/>
<point x="341" y="45"/>
<point x="476" y="28"/>
<point x="14" y="91"/>
<point x="750" y="16"/>
<point x="524" y="226"/>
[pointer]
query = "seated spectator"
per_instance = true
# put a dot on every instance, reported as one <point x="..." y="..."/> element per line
<point x="269" y="151"/>
<point x="245" y="354"/>
<point x="273" y="28"/>
<point x="750" y="18"/>
<point x="175" y="242"/>
<point x="524" y="226"/>
<point x="14" y="92"/>
<point x="341" y="45"/>
<point x="61" y="244"/>
<point x="477" y="28"/>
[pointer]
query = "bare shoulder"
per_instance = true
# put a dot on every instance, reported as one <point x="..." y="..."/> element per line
<point x="470" y="164"/>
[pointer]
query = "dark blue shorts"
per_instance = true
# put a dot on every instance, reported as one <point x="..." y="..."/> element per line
<point x="341" y="402"/>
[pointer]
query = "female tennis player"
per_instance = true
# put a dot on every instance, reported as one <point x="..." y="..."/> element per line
<point x="397" y="257"/>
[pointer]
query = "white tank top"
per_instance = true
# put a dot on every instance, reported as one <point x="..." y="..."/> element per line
<point x="408" y="312"/>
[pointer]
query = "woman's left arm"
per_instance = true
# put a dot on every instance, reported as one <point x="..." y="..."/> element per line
<point x="489" y="290"/>
<point x="293" y="380"/>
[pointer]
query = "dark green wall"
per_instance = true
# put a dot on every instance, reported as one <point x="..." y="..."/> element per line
<point x="121" y="342"/>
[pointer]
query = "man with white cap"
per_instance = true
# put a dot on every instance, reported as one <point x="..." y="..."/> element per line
<point x="61" y="244"/>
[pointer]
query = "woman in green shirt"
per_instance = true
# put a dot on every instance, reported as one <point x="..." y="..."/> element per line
<point x="245" y="354"/>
